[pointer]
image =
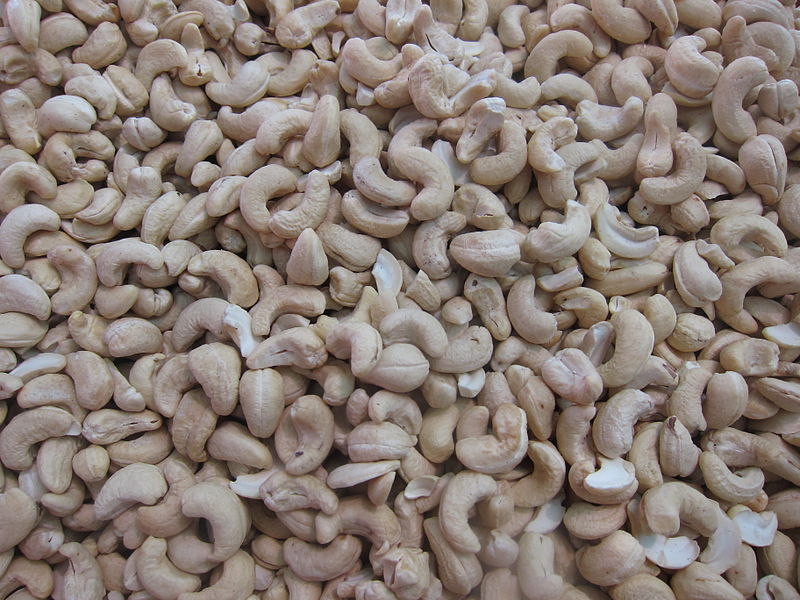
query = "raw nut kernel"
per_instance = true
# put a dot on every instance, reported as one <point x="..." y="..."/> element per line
<point x="287" y="287"/>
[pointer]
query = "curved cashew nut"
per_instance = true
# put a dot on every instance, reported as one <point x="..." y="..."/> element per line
<point x="667" y="506"/>
<point x="113" y="259"/>
<point x="547" y="479"/>
<point x="216" y="367"/>
<point x="738" y="281"/>
<point x="688" y="174"/>
<point x="608" y="123"/>
<point x="22" y="177"/>
<point x="138" y="483"/>
<point x="261" y="186"/>
<point x="360" y="342"/>
<point x="205" y="314"/>
<point x="309" y="213"/>
<point x="157" y="57"/>
<point x="83" y="575"/>
<point x="612" y="430"/>
<point x="762" y="158"/>
<point x="690" y="71"/>
<point x="18" y="224"/>
<point x="624" y="240"/>
<point x="283" y="492"/>
<point x="532" y="322"/>
<point x="733" y="232"/>
<point x="738" y="488"/>
<point x="31" y="427"/>
<point x="236" y="581"/>
<point x="20" y="294"/>
<point x="537" y="574"/>
<point x="158" y="575"/>
<point x="632" y="347"/>
<point x="304" y="436"/>
<point x="558" y="187"/>
<point x="247" y="87"/>
<point x="278" y="128"/>
<point x="231" y="272"/>
<point x="462" y="492"/>
<point x="292" y="299"/>
<point x="696" y="283"/>
<point x="542" y="62"/>
<point x="502" y="450"/>
<point x="225" y="512"/>
<point x="429" y="247"/>
<point x="549" y="137"/>
<point x="571" y="375"/>
<point x="735" y="83"/>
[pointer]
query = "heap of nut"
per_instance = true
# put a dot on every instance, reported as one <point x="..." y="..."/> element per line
<point x="393" y="299"/>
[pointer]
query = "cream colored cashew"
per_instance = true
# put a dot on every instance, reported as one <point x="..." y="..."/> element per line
<point x="613" y="482"/>
<point x="415" y="327"/>
<point x="31" y="427"/>
<point x="537" y="574"/>
<point x="359" y="342"/>
<point x="232" y="274"/>
<point x="689" y="171"/>
<point x="572" y="376"/>
<point x="547" y="479"/>
<point x="18" y="224"/>
<point x="612" y="430"/>
<point x="291" y="299"/>
<point x="552" y="241"/>
<point x="632" y="346"/>
<point x="310" y="212"/>
<point x="158" y="575"/>
<point x="205" y="314"/>
<point x="616" y="558"/>
<point x="691" y="71"/>
<point x="542" y="62"/>
<point x="224" y="511"/>
<point x="546" y="140"/>
<point x="558" y="187"/>
<point x="608" y="123"/>
<point x="763" y="161"/>
<point x="138" y="483"/>
<point x="23" y="295"/>
<point x="671" y="504"/>
<point x="304" y="435"/>
<point x="695" y="281"/>
<point x="737" y="79"/>
<point x="462" y="492"/>
<point x="621" y="239"/>
<point x="459" y="571"/>
<point x="114" y="258"/>
<point x="216" y="367"/>
<point x="500" y="451"/>
<point x="738" y="281"/>
<point x="317" y="563"/>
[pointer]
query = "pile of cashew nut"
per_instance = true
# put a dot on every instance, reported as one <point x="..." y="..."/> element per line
<point x="399" y="299"/>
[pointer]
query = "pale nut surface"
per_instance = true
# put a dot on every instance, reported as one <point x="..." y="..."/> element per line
<point x="399" y="299"/>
